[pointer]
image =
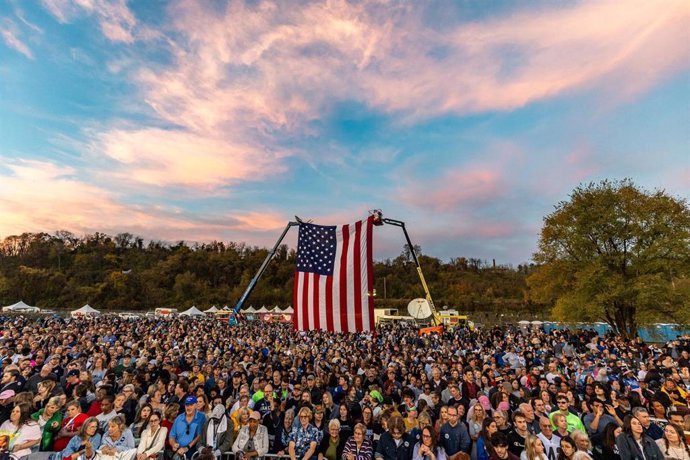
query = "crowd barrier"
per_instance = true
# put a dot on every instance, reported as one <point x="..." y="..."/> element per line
<point x="232" y="456"/>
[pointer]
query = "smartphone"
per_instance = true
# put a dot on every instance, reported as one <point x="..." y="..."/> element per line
<point x="82" y="447"/>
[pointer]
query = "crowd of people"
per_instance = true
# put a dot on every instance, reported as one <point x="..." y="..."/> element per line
<point x="184" y="388"/>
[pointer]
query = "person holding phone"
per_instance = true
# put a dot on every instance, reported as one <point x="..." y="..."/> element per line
<point x="86" y="441"/>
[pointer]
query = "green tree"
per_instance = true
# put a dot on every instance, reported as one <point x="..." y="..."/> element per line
<point x="615" y="252"/>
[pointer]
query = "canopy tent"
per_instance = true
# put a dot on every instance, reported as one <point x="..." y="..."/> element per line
<point x="226" y="308"/>
<point x="289" y="310"/>
<point x="262" y="310"/>
<point x="85" y="311"/>
<point x="213" y="309"/>
<point x="251" y="309"/>
<point x="21" y="307"/>
<point x="193" y="312"/>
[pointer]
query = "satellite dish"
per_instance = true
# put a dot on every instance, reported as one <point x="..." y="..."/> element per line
<point x="419" y="309"/>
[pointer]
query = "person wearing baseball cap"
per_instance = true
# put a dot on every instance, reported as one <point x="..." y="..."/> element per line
<point x="252" y="440"/>
<point x="186" y="429"/>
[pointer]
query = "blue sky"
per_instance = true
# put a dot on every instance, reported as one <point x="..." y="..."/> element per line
<point x="200" y="121"/>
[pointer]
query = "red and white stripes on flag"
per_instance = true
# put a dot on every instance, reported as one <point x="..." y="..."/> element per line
<point x="334" y="280"/>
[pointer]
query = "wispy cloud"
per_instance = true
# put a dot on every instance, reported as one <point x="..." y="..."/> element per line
<point x="116" y="20"/>
<point x="10" y="35"/>
<point x="255" y="71"/>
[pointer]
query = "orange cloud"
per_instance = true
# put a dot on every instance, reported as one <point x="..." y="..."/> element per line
<point x="168" y="157"/>
<point x="41" y="196"/>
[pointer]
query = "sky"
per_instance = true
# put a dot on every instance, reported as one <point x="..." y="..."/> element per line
<point x="222" y="120"/>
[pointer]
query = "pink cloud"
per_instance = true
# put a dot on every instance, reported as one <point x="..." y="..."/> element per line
<point x="459" y="186"/>
<point x="10" y="35"/>
<point x="59" y="201"/>
<point x="167" y="157"/>
<point x="297" y="59"/>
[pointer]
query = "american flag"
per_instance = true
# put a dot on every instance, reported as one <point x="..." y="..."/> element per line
<point x="334" y="278"/>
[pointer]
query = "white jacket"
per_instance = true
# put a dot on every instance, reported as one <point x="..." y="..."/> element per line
<point x="156" y="443"/>
<point x="260" y="440"/>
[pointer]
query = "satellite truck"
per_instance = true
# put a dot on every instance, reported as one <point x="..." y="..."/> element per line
<point x="422" y="311"/>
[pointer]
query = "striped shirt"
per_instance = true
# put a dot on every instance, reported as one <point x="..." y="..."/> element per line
<point x="365" y="452"/>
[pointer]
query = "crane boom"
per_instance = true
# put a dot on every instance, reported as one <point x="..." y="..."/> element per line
<point x="435" y="317"/>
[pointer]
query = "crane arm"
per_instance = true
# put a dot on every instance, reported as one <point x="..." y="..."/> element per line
<point x="435" y="317"/>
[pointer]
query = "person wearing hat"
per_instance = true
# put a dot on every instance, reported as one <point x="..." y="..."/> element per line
<point x="375" y="399"/>
<point x="71" y="381"/>
<point x="252" y="440"/>
<point x="218" y="431"/>
<point x="186" y="429"/>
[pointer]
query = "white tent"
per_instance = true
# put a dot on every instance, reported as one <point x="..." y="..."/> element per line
<point x="289" y="310"/>
<point x="213" y="309"/>
<point x="193" y="312"/>
<point x="21" y="307"/>
<point x="84" y="311"/>
<point x="251" y="309"/>
<point x="226" y="308"/>
<point x="262" y="310"/>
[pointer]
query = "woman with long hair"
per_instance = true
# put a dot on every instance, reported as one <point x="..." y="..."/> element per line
<point x="49" y="419"/>
<point x="428" y="447"/>
<point x="673" y="445"/>
<point x="368" y="421"/>
<point x="484" y="449"/>
<point x="633" y="443"/>
<point x="345" y="420"/>
<point x="568" y="448"/>
<point x="169" y="417"/>
<point x="45" y="390"/>
<point x="202" y="404"/>
<point x="98" y="371"/>
<point x="475" y="417"/>
<point x="86" y="441"/>
<point x="329" y="406"/>
<point x="534" y="449"/>
<point x="606" y="449"/>
<point x="153" y="437"/>
<point x="141" y="420"/>
<point x="26" y="430"/>
<point x="442" y="419"/>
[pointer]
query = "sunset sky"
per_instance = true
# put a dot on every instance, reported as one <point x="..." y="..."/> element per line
<point x="215" y="120"/>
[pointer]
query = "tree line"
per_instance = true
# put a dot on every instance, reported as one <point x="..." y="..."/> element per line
<point x="126" y="272"/>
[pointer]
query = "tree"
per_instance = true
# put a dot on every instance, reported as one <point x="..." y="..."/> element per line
<point x="615" y="252"/>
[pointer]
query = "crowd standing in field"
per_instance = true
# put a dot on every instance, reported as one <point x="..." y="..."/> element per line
<point x="186" y="387"/>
